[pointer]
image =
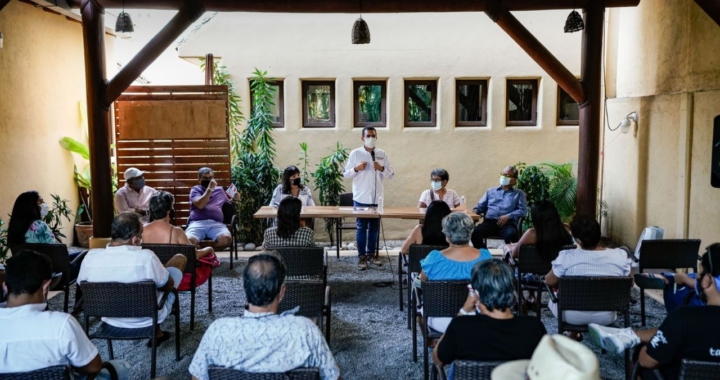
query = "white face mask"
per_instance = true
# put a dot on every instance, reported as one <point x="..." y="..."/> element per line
<point x="44" y="210"/>
<point x="505" y="181"/>
<point x="436" y="185"/>
<point x="370" y="142"/>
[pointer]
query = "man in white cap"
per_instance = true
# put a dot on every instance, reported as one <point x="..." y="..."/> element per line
<point x="134" y="196"/>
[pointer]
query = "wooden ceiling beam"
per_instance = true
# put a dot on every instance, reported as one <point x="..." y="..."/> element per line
<point x="712" y="8"/>
<point x="368" y="6"/>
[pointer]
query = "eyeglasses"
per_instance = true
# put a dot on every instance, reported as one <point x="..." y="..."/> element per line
<point x="505" y="175"/>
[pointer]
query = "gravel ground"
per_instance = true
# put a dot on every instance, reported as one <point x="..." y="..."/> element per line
<point x="370" y="338"/>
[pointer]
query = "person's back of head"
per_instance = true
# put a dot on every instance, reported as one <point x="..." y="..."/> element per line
<point x="288" y="217"/>
<point x="494" y="282"/>
<point x="550" y="231"/>
<point x="586" y="231"/>
<point x="25" y="211"/>
<point x="126" y="229"/>
<point x="27" y="273"/>
<point x="458" y="228"/>
<point x="160" y="204"/>
<point x="263" y="278"/>
<point x="432" y="226"/>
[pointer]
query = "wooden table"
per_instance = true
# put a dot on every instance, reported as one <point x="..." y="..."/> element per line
<point x="339" y="212"/>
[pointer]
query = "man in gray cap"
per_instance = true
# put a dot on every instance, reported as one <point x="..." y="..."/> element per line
<point x="134" y="196"/>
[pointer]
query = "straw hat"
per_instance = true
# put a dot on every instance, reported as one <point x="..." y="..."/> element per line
<point x="556" y="357"/>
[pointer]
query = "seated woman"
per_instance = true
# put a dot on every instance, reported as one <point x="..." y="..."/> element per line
<point x="288" y="232"/>
<point x="430" y="232"/>
<point x="26" y="223"/>
<point x="455" y="262"/>
<point x="439" y="179"/>
<point x="160" y="231"/>
<point x="292" y="186"/>
<point x="590" y="259"/>
<point x="493" y="334"/>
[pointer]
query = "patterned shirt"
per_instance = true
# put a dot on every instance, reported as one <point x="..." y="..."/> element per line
<point x="497" y="202"/>
<point x="303" y="237"/>
<point x="264" y="342"/>
<point x="451" y="198"/>
<point x="39" y="233"/>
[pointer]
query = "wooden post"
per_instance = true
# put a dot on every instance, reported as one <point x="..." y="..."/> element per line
<point x="589" y="147"/>
<point x="93" y="25"/>
<point x="209" y="70"/>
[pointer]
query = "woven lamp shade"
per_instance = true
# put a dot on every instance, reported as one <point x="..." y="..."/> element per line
<point x="574" y="22"/>
<point x="124" y="24"/>
<point x="360" y="32"/>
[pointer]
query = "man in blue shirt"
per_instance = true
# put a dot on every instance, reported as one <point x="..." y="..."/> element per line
<point x="501" y="208"/>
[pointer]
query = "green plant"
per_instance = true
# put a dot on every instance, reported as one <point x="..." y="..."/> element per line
<point x="4" y="248"/>
<point x="328" y="180"/>
<point x="304" y="162"/>
<point x="235" y="115"/>
<point x="536" y="185"/>
<point x="563" y="187"/>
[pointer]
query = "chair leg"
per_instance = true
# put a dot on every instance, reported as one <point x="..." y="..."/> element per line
<point x="153" y="357"/>
<point x="627" y="363"/>
<point x="411" y="308"/>
<point x="414" y="336"/>
<point x="192" y="307"/>
<point x="433" y="372"/>
<point x="177" y="328"/>
<point x="210" y="291"/>
<point x="400" y="285"/>
<point x="327" y="324"/>
<point x="425" y="350"/>
<point x="66" y="290"/>
<point x="110" y="349"/>
<point x="642" y="306"/>
<point x="538" y="302"/>
<point x="338" y="238"/>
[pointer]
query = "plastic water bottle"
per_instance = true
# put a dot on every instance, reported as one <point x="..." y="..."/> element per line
<point x="381" y="207"/>
<point x="462" y="203"/>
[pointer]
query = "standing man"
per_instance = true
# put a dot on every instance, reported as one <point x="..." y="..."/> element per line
<point x="134" y="196"/>
<point x="368" y="167"/>
<point x="501" y="208"/>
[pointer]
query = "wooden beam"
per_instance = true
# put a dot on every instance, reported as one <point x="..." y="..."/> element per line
<point x="93" y="29"/>
<point x="3" y="3"/>
<point x="145" y="57"/>
<point x="209" y="70"/>
<point x="368" y="6"/>
<point x="712" y="8"/>
<point x="535" y="49"/>
<point x="590" y="109"/>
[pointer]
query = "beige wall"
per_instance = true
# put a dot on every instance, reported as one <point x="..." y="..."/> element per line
<point x="664" y="63"/>
<point x="296" y="47"/>
<point x="42" y="80"/>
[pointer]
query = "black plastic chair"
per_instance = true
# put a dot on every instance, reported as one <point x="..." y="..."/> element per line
<point x="133" y="300"/>
<point x="60" y="258"/>
<point x="440" y="299"/>
<point x="346" y="200"/>
<point x="578" y="293"/>
<point x="530" y="262"/>
<point x="470" y="370"/>
<point x="689" y="370"/>
<point x="222" y="373"/>
<point x="518" y="226"/>
<point x="416" y="253"/>
<point x="58" y="372"/>
<point x="666" y="254"/>
<point x="304" y="263"/>
<point x="313" y="298"/>
<point x="165" y="252"/>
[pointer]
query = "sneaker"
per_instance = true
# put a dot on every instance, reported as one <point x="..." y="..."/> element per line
<point x="649" y="281"/>
<point x="375" y="260"/>
<point x="362" y="262"/>
<point x="613" y="339"/>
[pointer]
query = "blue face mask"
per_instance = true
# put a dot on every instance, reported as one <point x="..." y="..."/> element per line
<point x="140" y="182"/>
<point x="436" y="185"/>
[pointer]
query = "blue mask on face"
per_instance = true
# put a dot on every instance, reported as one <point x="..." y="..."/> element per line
<point x="140" y="182"/>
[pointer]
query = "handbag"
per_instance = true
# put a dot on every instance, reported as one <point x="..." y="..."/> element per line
<point x="203" y="270"/>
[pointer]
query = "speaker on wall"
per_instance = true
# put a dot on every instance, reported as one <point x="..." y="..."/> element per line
<point x="715" y="165"/>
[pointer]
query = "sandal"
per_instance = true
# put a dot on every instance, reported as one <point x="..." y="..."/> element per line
<point x="158" y="340"/>
<point x="569" y="334"/>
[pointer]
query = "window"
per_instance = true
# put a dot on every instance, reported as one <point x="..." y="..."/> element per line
<point x="568" y="112"/>
<point x="420" y="103"/>
<point x="471" y="103"/>
<point x="277" y="111"/>
<point x="318" y="104"/>
<point x="522" y="102"/>
<point x="369" y="103"/>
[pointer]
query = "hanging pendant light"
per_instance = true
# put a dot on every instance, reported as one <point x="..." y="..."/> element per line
<point x="360" y="30"/>
<point x="124" y="23"/>
<point x="574" y="22"/>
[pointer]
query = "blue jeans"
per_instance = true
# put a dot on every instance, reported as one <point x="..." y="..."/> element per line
<point x="674" y="299"/>
<point x="366" y="233"/>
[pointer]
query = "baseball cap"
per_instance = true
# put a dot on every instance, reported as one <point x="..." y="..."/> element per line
<point x="132" y="173"/>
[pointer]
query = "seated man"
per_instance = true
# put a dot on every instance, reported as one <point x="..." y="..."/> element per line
<point x="688" y="332"/>
<point x="34" y="339"/>
<point x="125" y="261"/>
<point x="134" y="196"/>
<point x="262" y="341"/>
<point x="501" y="208"/>
<point x="206" y="215"/>
<point x="493" y="334"/>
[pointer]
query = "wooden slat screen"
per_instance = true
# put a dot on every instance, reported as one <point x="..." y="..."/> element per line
<point x="172" y="146"/>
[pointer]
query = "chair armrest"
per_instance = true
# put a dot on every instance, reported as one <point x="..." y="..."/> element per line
<point x="165" y="297"/>
<point x="441" y="373"/>
<point x="551" y="293"/>
<point x="327" y="297"/>
<point x="79" y="258"/>
<point x="56" y="278"/>
<point x="111" y="370"/>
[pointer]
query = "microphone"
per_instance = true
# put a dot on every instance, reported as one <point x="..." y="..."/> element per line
<point x="372" y="154"/>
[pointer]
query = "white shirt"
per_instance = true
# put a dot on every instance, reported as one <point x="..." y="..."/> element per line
<point x="367" y="184"/>
<point x="451" y="198"/>
<point x="305" y="196"/>
<point x="127" y="200"/>
<point x="579" y="262"/>
<point x="125" y="264"/>
<point x="31" y="339"/>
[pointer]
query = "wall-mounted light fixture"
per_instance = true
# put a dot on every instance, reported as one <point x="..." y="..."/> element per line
<point x="630" y="121"/>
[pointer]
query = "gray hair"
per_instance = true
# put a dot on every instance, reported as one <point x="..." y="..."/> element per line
<point x="160" y="204"/>
<point x="493" y="280"/>
<point x="204" y="170"/>
<point x="458" y="227"/>
<point x="513" y="169"/>
<point x="125" y="226"/>
<point x="442" y="173"/>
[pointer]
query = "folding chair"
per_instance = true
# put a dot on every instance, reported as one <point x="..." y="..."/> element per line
<point x="221" y="373"/>
<point x="313" y="298"/>
<point x="416" y="253"/>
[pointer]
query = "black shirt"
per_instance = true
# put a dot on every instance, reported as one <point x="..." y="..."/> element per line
<point x="482" y="338"/>
<point x="688" y="332"/>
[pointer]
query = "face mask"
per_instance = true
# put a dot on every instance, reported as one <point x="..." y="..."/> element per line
<point x="140" y="183"/>
<point x="44" y="210"/>
<point x="505" y="181"/>
<point x="296" y="182"/>
<point x="205" y="183"/>
<point x="370" y="142"/>
<point x="436" y="185"/>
